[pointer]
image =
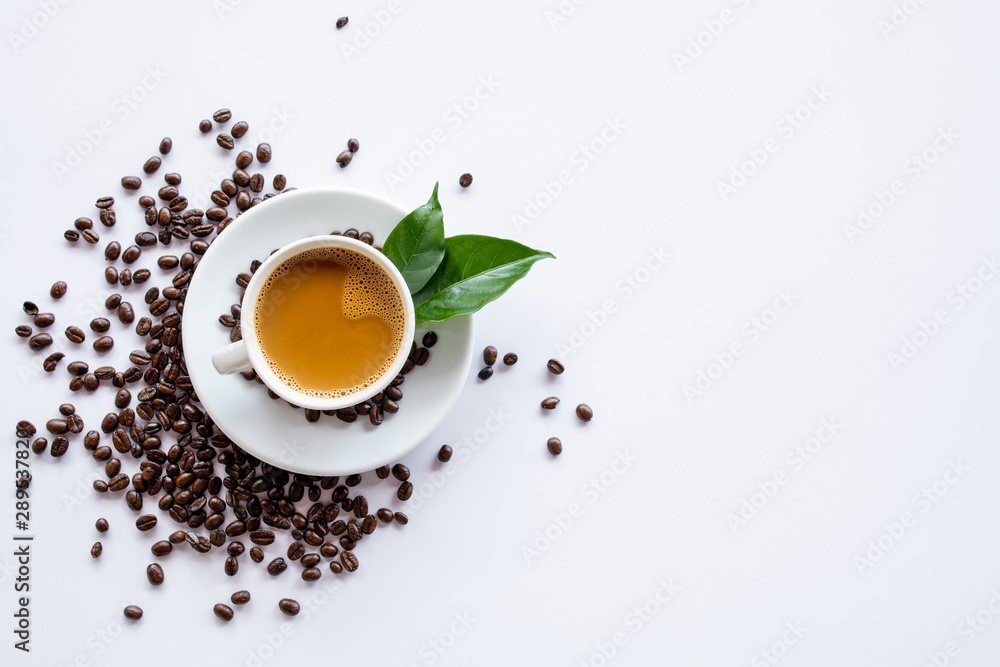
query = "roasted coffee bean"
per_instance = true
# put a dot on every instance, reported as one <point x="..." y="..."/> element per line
<point x="167" y="262"/>
<point x="550" y="403"/>
<point x="465" y="180"/>
<point x="71" y="235"/>
<point x="225" y="141"/>
<point x="159" y="307"/>
<point x="348" y="543"/>
<point x="555" y="446"/>
<point x="178" y="204"/>
<point x="145" y="202"/>
<point x="59" y="446"/>
<point x="111" y="275"/>
<point x="126" y="315"/>
<point x="486" y="373"/>
<point x="430" y="339"/>
<point x="100" y="486"/>
<point x="341" y="22"/>
<point x="241" y="177"/>
<point x="131" y="254"/>
<point x="43" y="320"/>
<point x="112" y="251"/>
<point x="133" y="612"/>
<point x="134" y="501"/>
<point x="444" y="454"/>
<point x="240" y="597"/>
<point x="223" y="611"/>
<point x="205" y="126"/>
<point x="405" y="491"/>
<point x="109" y="423"/>
<point x="39" y="341"/>
<point x="360" y="506"/>
<point x="141" y="275"/>
<point x="145" y="522"/>
<point x="105" y="202"/>
<point x="385" y="515"/>
<point x="289" y="606"/>
<point x="92" y="237"/>
<point x="58" y="289"/>
<point x="264" y="156"/>
<point x="277" y="566"/>
<point x="151" y="165"/>
<point x="75" y="423"/>
<point x="23" y="330"/>
<point x="243" y="200"/>
<point x="167" y="192"/>
<point x="368" y="524"/>
<point x="489" y="355"/>
<point x="104" y="343"/>
<point x="421" y="357"/>
<point x="310" y="560"/>
<point x="401" y="518"/>
<point x="256" y="554"/>
<point x="165" y="145"/>
<point x="374" y="415"/>
<point x="91" y="440"/>
<point x="311" y="574"/>
<point x="177" y="537"/>
<point x="243" y="160"/>
<point x="555" y="367"/>
<point x="584" y="412"/>
<point x="95" y="551"/>
<point x="349" y="561"/>
<point x="222" y="115"/>
<point x="162" y="548"/>
<point x="119" y="482"/>
<point x="240" y="129"/>
<point x="173" y="178"/>
<point x="328" y="550"/>
<point x="132" y="182"/>
<point x="154" y="573"/>
<point x="279" y="181"/>
<point x="262" y="537"/>
<point x="101" y="525"/>
<point x="336" y="567"/>
<point x="257" y="183"/>
<point x="232" y="566"/>
<point x="52" y="361"/>
<point x="509" y="359"/>
<point x="345" y="158"/>
<point x="145" y="239"/>
<point x="56" y="426"/>
<point x="400" y="472"/>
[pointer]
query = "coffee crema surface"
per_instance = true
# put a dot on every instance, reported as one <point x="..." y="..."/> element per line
<point x="330" y="322"/>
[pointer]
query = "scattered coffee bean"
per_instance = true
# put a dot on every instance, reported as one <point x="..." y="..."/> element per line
<point x="341" y="22"/>
<point x="405" y="491"/>
<point x="105" y="202"/>
<point x="486" y="373"/>
<point x="550" y="403"/>
<point x="58" y="289"/>
<point x="52" y="361"/>
<point x="277" y="566"/>
<point x="133" y="612"/>
<point x="43" y="320"/>
<point x="444" y="454"/>
<point x="100" y="324"/>
<point x="429" y="339"/>
<point x="289" y="606"/>
<point x="95" y="551"/>
<point x="509" y="359"/>
<point x="165" y="145"/>
<point x="465" y="180"/>
<point x="131" y="182"/>
<point x="240" y="129"/>
<point x="30" y="309"/>
<point x="101" y="525"/>
<point x="23" y="330"/>
<point x="256" y="554"/>
<point x="104" y="343"/>
<point x="154" y="573"/>
<point x="151" y="165"/>
<point x="555" y="446"/>
<point x="75" y="334"/>
<point x="225" y="141"/>
<point x="264" y="156"/>
<point x="162" y="548"/>
<point x="232" y="566"/>
<point x="145" y="522"/>
<point x="205" y="126"/>
<point x="223" y="611"/>
<point x="584" y="412"/>
<point x="240" y="597"/>
<point x="555" y="367"/>
<point x="345" y="158"/>
<point x="39" y="341"/>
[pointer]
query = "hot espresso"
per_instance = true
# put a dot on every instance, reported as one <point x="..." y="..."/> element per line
<point x="330" y="322"/>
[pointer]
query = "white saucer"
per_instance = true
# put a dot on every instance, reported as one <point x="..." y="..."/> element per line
<point x="270" y="429"/>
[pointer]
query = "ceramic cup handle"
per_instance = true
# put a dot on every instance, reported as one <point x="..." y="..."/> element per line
<point x="232" y="358"/>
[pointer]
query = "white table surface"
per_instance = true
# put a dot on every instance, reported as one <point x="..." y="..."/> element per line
<point x="800" y="579"/>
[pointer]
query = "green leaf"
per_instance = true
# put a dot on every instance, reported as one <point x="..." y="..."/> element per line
<point x="416" y="243"/>
<point x="476" y="270"/>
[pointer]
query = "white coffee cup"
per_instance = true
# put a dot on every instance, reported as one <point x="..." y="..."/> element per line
<point x="247" y="353"/>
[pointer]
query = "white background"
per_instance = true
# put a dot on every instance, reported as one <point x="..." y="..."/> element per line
<point x="656" y="186"/>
